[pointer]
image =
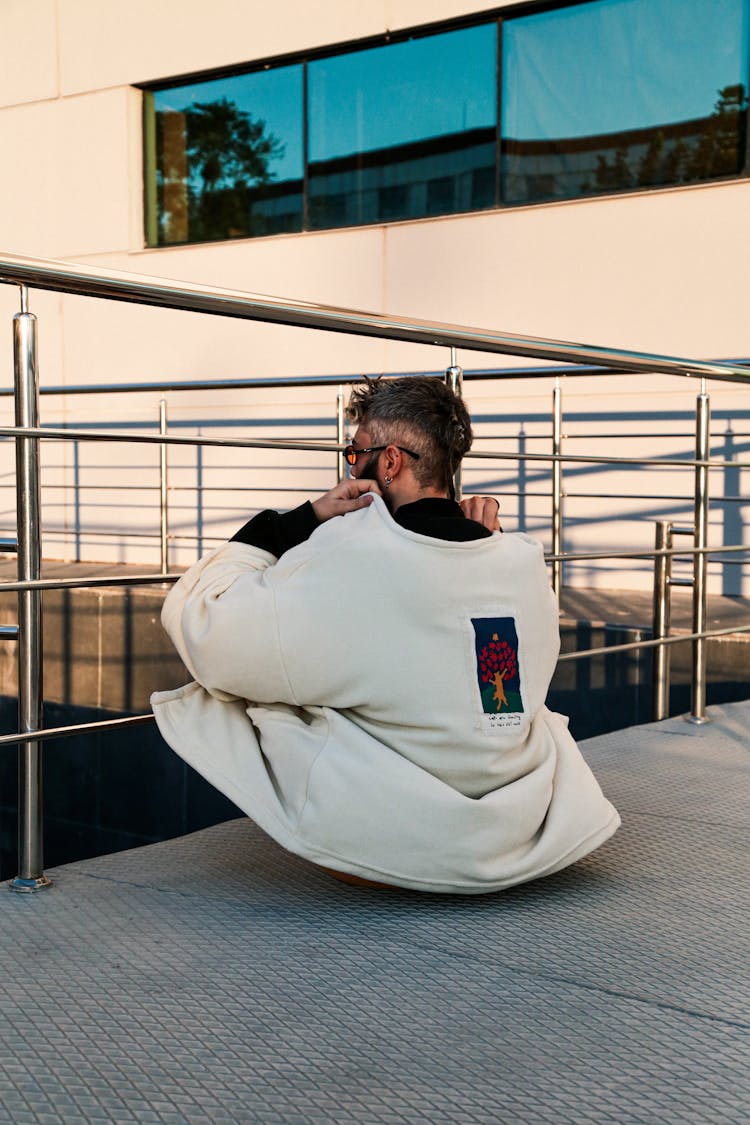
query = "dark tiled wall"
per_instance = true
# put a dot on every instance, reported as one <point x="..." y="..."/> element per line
<point x="105" y="792"/>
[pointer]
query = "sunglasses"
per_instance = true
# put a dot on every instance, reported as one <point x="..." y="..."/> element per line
<point x="351" y="453"/>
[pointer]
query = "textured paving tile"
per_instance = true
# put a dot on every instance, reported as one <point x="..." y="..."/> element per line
<point x="215" y="978"/>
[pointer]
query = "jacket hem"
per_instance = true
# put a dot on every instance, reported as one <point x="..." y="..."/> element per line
<point x="290" y="839"/>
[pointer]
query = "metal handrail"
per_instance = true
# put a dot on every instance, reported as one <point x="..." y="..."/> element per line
<point x="54" y="434"/>
<point x="655" y="642"/>
<point x="49" y="733"/>
<point x="158" y="578"/>
<point x="90" y="281"/>
<point x="93" y="282"/>
<point x="279" y="382"/>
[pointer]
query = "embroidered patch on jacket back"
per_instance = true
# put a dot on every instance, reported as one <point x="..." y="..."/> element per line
<point x="498" y="675"/>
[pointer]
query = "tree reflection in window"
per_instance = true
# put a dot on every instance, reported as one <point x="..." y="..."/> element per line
<point x="229" y="159"/>
<point x="712" y="148"/>
<point x="216" y="160"/>
<point x="617" y="95"/>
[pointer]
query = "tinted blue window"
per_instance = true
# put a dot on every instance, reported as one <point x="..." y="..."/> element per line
<point x="600" y="96"/>
<point x="404" y="130"/>
<point x="230" y="157"/>
<point x="623" y="94"/>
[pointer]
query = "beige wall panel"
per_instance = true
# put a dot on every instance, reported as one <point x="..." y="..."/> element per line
<point x="30" y="201"/>
<point x="632" y="272"/>
<point x="28" y="51"/>
<point x="338" y="268"/>
<point x="72" y="194"/>
<point x="335" y="267"/>
<point x="107" y="341"/>
<point x="654" y="272"/>
<point x="412" y="13"/>
<point x="113" y="42"/>
<point x="116" y="42"/>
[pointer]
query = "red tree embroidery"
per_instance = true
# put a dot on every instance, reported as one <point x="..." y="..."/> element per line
<point x="497" y="663"/>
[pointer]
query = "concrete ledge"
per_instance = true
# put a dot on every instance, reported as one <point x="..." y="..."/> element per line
<point x="105" y="648"/>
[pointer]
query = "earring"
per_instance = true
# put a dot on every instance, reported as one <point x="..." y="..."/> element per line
<point x="388" y="482"/>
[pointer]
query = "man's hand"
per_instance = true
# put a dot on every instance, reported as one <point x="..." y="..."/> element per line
<point x="483" y="509"/>
<point x="345" y="497"/>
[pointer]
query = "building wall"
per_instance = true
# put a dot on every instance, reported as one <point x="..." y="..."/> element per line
<point x="661" y="272"/>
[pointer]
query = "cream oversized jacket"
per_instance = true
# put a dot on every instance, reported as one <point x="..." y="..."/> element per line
<point x="374" y="700"/>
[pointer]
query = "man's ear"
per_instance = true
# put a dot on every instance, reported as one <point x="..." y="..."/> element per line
<point x="393" y="460"/>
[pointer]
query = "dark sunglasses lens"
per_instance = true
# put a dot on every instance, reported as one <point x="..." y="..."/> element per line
<point x="350" y="455"/>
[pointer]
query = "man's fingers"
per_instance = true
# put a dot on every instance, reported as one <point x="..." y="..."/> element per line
<point x="347" y="496"/>
<point x="352" y="488"/>
<point x="363" y="498"/>
<point x="358" y="502"/>
<point x="362" y="486"/>
<point x="482" y="509"/>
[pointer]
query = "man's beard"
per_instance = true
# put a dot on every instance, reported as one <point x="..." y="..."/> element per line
<point x="370" y="473"/>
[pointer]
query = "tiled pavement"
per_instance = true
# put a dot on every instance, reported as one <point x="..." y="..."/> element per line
<point x="215" y="978"/>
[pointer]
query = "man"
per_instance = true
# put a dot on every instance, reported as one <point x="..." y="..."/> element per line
<point x="371" y="671"/>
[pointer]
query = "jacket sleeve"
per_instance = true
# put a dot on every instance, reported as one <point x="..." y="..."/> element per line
<point x="221" y="618"/>
<point x="278" y="532"/>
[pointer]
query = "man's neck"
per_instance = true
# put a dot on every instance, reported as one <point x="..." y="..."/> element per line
<point x="396" y="500"/>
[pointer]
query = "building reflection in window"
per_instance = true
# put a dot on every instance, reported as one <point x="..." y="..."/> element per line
<point x="623" y="94"/>
<point x="405" y="130"/>
<point x="230" y="157"/>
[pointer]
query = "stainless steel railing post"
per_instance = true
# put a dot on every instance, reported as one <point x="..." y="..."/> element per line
<point x="163" y="490"/>
<point x="31" y="875"/>
<point x="454" y="377"/>
<point x="700" y="566"/>
<point x="661" y="621"/>
<point x="340" y="462"/>
<point x="557" y="488"/>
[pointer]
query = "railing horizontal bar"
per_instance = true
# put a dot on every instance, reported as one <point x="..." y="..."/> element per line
<point x="89" y="281"/>
<point x="575" y="370"/>
<point x="52" y="434"/>
<point x="69" y="533"/>
<point x="8" y="632"/>
<point x="280" y="382"/>
<point x="584" y="370"/>
<point x="631" y="646"/>
<point x="202" y="385"/>
<point x="177" y="490"/>
<point x="137" y="720"/>
<point x="83" y="583"/>
<point x="158" y="579"/>
<point x="682" y="552"/>
<point x="168" y="439"/>
<point x="97" y="532"/>
<point x="582" y="458"/>
<point x="78" y="728"/>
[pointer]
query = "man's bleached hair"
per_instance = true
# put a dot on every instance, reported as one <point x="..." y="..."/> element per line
<point x="421" y="413"/>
